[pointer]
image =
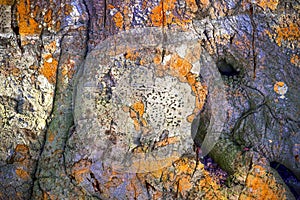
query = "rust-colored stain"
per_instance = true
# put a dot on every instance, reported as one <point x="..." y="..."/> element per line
<point x="22" y="174"/>
<point x="49" y="68"/>
<point x="271" y="4"/>
<point x="51" y="136"/>
<point x="27" y="24"/>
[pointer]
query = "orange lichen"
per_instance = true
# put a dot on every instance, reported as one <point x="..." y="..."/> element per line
<point x="181" y="69"/>
<point x="80" y="169"/>
<point x="22" y="174"/>
<point x="192" y="4"/>
<point x="136" y="112"/>
<point x="271" y="4"/>
<point x="290" y="33"/>
<point x="162" y="14"/>
<point x="22" y="148"/>
<point x="27" y="24"/>
<point x="295" y="60"/>
<point x="210" y="187"/>
<point x="277" y="85"/>
<point x="7" y="2"/>
<point x="119" y="20"/>
<point x="131" y="55"/>
<point x="184" y="185"/>
<point x="68" y="9"/>
<point x="259" y="185"/>
<point x="167" y="141"/>
<point x="204" y="3"/>
<point x="49" y="68"/>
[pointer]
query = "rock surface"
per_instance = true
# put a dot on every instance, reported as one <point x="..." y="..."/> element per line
<point x="86" y="85"/>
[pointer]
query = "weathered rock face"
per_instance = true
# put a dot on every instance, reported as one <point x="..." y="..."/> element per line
<point x="86" y="85"/>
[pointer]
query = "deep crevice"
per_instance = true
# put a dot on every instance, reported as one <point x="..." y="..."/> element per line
<point x="288" y="177"/>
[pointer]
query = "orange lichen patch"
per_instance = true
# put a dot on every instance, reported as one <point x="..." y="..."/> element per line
<point x="204" y="3"/>
<point x="119" y="20"/>
<point x="131" y="55"/>
<point x="49" y="68"/>
<point x="22" y="148"/>
<point x="68" y="9"/>
<point x="277" y="85"/>
<point x="27" y="24"/>
<point x="210" y="187"/>
<point x="295" y="60"/>
<point x="136" y="112"/>
<point x="57" y="26"/>
<point x="271" y="4"/>
<point x="181" y="69"/>
<point x="51" y="47"/>
<point x="80" y="169"/>
<point x="162" y="14"/>
<point x="184" y="185"/>
<point x="167" y="141"/>
<point x="48" y="16"/>
<point x="22" y="174"/>
<point x="290" y="33"/>
<point x="260" y="185"/>
<point x="192" y="4"/>
<point x="7" y="2"/>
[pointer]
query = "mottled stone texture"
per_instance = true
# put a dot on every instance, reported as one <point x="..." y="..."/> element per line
<point x="50" y="50"/>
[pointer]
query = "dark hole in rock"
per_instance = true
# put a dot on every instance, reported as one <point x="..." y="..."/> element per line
<point x="226" y="68"/>
<point x="288" y="177"/>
